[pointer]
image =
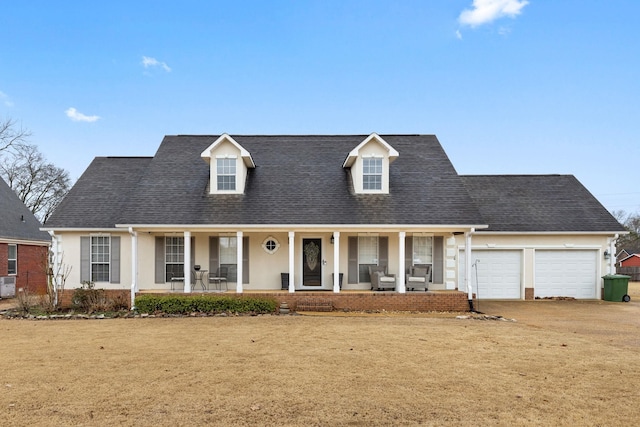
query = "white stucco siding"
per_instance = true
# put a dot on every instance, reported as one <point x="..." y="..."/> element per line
<point x="70" y="256"/>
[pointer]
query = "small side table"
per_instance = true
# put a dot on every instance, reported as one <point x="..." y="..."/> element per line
<point x="200" y="279"/>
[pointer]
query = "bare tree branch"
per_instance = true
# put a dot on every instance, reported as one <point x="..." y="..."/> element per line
<point x="12" y="135"/>
<point x="39" y="184"/>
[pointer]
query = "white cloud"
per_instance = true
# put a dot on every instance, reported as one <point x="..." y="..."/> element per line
<point x="148" y="61"/>
<point x="5" y="99"/>
<point x="486" y="11"/>
<point x="77" y="116"/>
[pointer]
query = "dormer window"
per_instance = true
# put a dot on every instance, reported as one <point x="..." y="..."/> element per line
<point x="226" y="173"/>
<point x="369" y="165"/>
<point x="229" y="164"/>
<point x="372" y="173"/>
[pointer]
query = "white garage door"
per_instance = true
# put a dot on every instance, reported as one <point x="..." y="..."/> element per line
<point x="566" y="273"/>
<point x="496" y="274"/>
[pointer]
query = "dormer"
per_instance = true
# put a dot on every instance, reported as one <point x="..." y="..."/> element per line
<point x="229" y="163"/>
<point x="369" y="165"/>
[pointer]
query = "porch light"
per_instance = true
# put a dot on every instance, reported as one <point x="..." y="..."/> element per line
<point x="332" y="239"/>
<point x="607" y="255"/>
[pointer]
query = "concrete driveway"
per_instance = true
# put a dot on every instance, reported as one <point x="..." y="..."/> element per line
<point x="617" y="323"/>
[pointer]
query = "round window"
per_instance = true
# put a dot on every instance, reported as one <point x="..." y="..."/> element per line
<point x="270" y="245"/>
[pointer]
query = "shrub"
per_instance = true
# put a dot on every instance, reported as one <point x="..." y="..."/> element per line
<point x="184" y="304"/>
<point x="90" y="300"/>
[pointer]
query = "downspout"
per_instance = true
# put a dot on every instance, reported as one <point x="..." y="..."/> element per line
<point x="612" y="254"/>
<point x="134" y="265"/>
<point x="467" y="272"/>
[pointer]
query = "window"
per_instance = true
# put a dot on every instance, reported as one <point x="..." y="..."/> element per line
<point x="226" y="174"/>
<point x="229" y="257"/>
<point x="174" y="257"/>
<point x="100" y="256"/>
<point x="13" y="259"/>
<point x="371" y="173"/>
<point x="422" y="250"/>
<point x="270" y="245"/>
<point x="367" y="256"/>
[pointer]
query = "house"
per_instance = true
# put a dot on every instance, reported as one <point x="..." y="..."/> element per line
<point x="623" y="254"/>
<point x="23" y="247"/>
<point x="268" y="211"/>
<point x="632" y="260"/>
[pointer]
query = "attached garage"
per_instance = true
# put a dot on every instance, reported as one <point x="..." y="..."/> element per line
<point x="497" y="273"/>
<point x="566" y="273"/>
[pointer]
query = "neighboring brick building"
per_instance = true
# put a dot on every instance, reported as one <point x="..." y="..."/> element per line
<point x="23" y="247"/>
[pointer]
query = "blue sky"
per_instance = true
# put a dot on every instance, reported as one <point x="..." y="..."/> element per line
<point x="508" y="86"/>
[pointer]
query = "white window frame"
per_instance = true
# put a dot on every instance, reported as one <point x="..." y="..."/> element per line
<point x="14" y="260"/>
<point x="425" y="256"/>
<point x="226" y="167"/>
<point x="367" y="258"/>
<point x="99" y="257"/>
<point x="374" y="170"/>
<point x="228" y="253"/>
<point x="270" y="245"/>
<point x="173" y="256"/>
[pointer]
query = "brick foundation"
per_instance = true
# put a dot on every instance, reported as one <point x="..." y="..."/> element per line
<point x="365" y="301"/>
<point x="344" y="301"/>
<point x="528" y="293"/>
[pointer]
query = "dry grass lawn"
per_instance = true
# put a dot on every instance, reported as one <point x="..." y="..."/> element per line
<point x="313" y="370"/>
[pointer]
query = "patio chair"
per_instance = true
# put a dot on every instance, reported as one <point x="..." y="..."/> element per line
<point x="219" y="277"/>
<point x="380" y="279"/>
<point x="418" y="278"/>
<point x="176" y="279"/>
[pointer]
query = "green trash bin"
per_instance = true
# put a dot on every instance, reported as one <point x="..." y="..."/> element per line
<point x="616" y="287"/>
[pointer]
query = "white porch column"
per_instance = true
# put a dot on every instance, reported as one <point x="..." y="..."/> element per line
<point x="401" y="284"/>
<point x="134" y="265"/>
<point x="468" y="262"/>
<point x="187" y="261"/>
<point x="292" y="287"/>
<point x="336" y="261"/>
<point x="239" y="262"/>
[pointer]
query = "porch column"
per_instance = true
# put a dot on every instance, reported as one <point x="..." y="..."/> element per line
<point x="401" y="284"/>
<point x="134" y="265"/>
<point x="292" y="287"/>
<point x="467" y="267"/>
<point x="239" y="262"/>
<point x="187" y="262"/>
<point x="336" y="261"/>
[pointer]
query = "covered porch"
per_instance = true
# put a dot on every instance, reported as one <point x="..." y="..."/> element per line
<point x="204" y="259"/>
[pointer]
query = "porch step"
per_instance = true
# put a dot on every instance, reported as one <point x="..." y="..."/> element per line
<point x="314" y="304"/>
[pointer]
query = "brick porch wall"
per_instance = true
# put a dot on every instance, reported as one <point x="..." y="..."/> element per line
<point x="368" y="301"/>
<point x="345" y="301"/>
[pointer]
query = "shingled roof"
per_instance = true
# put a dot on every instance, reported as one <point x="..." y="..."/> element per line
<point x="102" y="192"/>
<point x="297" y="180"/>
<point x="538" y="203"/>
<point x="16" y="220"/>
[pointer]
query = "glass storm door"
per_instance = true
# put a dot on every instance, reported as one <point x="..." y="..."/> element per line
<point x="312" y="262"/>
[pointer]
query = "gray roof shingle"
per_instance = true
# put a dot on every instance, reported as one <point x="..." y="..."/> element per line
<point x="100" y="194"/>
<point x="538" y="203"/>
<point x="16" y="220"/>
<point x="297" y="180"/>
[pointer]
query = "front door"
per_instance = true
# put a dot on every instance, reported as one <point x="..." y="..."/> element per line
<point x="312" y="262"/>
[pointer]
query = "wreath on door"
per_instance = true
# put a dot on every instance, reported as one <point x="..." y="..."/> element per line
<point x="311" y="251"/>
